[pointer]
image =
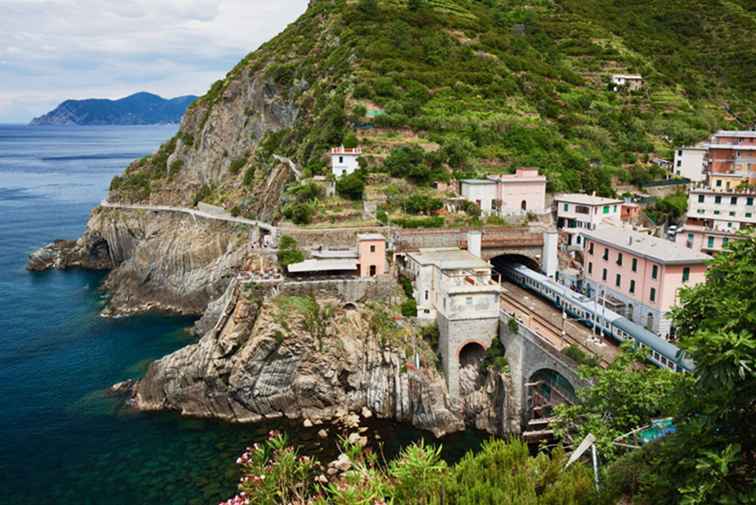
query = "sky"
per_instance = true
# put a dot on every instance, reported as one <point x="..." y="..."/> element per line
<point x="53" y="50"/>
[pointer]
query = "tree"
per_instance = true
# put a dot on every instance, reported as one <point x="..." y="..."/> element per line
<point x="351" y="186"/>
<point x="288" y="252"/>
<point x="621" y="398"/>
<point x="422" y="204"/>
<point x="710" y="460"/>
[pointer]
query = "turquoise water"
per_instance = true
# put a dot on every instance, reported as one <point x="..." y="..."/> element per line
<point x="61" y="440"/>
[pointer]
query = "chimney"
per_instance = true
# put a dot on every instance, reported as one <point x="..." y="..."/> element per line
<point x="475" y="243"/>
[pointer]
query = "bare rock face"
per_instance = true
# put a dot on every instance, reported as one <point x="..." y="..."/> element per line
<point x="159" y="261"/>
<point x="485" y="399"/>
<point x="261" y="363"/>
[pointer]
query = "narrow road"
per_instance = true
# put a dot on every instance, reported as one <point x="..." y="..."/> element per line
<point x="192" y="212"/>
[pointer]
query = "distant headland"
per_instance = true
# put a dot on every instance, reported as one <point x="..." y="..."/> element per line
<point x="138" y="109"/>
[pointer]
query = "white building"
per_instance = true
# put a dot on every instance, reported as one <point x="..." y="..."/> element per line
<point x="726" y="211"/>
<point x="630" y="81"/>
<point x="690" y="162"/>
<point x="481" y="192"/>
<point x="344" y="160"/>
<point x="452" y="283"/>
<point x="577" y="212"/>
<point x="508" y="195"/>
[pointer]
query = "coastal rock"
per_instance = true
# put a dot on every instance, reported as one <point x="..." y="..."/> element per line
<point x="269" y="363"/>
<point x="124" y="388"/>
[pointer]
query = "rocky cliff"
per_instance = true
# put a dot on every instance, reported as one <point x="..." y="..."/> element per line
<point x="294" y="357"/>
<point x="158" y="261"/>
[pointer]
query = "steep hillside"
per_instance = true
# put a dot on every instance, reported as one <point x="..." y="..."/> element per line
<point x="137" y="109"/>
<point x="475" y="86"/>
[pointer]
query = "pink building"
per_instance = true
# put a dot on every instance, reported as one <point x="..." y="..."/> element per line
<point x="509" y="195"/>
<point x="639" y="275"/>
<point x="371" y="251"/>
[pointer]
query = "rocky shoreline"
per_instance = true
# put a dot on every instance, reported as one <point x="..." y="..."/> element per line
<point x="250" y="364"/>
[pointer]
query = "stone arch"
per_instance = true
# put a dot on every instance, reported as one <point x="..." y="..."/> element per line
<point x="349" y="306"/>
<point x="473" y="351"/>
<point x="502" y="260"/>
<point x="546" y="389"/>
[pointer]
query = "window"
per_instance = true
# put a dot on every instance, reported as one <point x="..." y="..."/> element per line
<point x="606" y="209"/>
<point x="493" y="204"/>
<point x="700" y="199"/>
<point x="341" y="159"/>
<point x="652" y="296"/>
<point x="603" y="275"/>
<point x="566" y="207"/>
<point x="716" y="212"/>
<point x="635" y="264"/>
<point x="606" y="253"/>
<point x="679" y="153"/>
<point x="632" y="287"/>
<point x="590" y="248"/>
<point x="618" y="281"/>
<point x="686" y="274"/>
<point x="590" y="268"/>
<point x="749" y="200"/>
<point x="426" y="294"/>
<point x="719" y="184"/>
<point x="700" y="211"/>
<point x="679" y="163"/>
<point x="373" y="270"/>
<point x="655" y="272"/>
<point x="718" y="200"/>
<point x="372" y="248"/>
<point x="619" y="259"/>
<point x="469" y="300"/>
<point x="748" y="214"/>
<point x="734" y="200"/>
<point x="710" y="243"/>
<point x="732" y="213"/>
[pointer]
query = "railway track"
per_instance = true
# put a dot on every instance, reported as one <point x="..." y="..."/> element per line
<point x="555" y="330"/>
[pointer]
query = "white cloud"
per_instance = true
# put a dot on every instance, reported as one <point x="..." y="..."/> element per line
<point x="51" y="50"/>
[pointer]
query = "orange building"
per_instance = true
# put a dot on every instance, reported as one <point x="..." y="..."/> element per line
<point x="371" y="250"/>
<point x="733" y="152"/>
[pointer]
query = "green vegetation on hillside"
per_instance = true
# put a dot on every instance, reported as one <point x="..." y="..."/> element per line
<point x="438" y="88"/>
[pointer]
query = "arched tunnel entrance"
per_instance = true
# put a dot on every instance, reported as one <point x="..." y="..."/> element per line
<point x="499" y="262"/>
<point x="470" y="358"/>
<point x="546" y="389"/>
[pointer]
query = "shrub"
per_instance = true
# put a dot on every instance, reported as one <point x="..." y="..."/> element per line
<point x="350" y="140"/>
<point x="237" y="165"/>
<point x="299" y="213"/>
<point x="409" y="308"/>
<point x="249" y="176"/>
<point x="176" y="167"/>
<point x="203" y="194"/>
<point x="579" y="356"/>
<point x="421" y="222"/>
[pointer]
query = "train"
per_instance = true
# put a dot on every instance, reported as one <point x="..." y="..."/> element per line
<point x="660" y="352"/>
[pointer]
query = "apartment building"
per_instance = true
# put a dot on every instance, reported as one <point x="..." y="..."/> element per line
<point x="508" y="195"/>
<point x="727" y="211"/>
<point x="639" y="275"/>
<point x="690" y="163"/>
<point x="732" y="152"/>
<point x="577" y="212"/>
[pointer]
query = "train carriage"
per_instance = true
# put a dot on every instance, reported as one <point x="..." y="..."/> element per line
<point x="661" y="352"/>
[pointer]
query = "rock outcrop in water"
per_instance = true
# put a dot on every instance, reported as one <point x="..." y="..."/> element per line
<point x="268" y="359"/>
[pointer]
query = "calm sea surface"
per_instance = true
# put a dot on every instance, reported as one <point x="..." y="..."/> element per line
<point x="61" y="440"/>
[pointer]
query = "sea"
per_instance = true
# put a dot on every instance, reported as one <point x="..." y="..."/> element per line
<point x="62" y="439"/>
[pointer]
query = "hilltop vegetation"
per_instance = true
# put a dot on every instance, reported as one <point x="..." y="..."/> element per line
<point x="481" y="87"/>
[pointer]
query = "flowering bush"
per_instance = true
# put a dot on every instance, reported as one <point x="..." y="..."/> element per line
<point x="274" y="473"/>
